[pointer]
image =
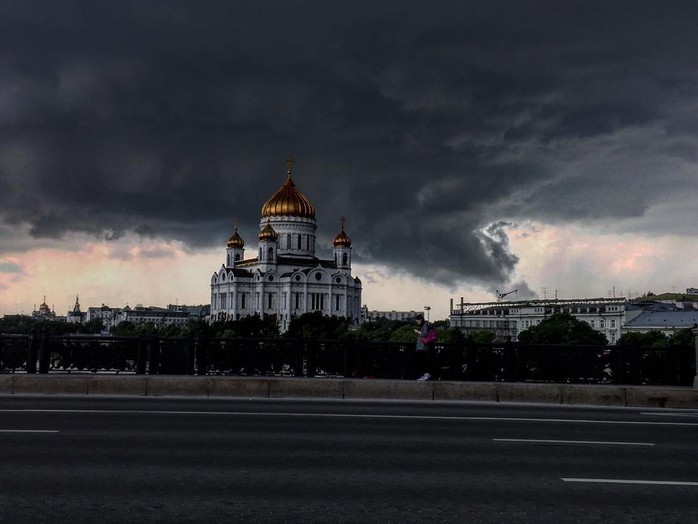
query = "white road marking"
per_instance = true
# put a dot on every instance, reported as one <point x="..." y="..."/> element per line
<point x="627" y="481"/>
<point x="28" y="431"/>
<point x="588" y="442"/>
<point x="353" y="415"/>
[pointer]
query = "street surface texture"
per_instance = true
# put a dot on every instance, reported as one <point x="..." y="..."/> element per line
<point x="80" y="459"/>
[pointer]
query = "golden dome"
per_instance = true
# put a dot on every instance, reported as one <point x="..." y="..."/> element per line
<point x="268" y="233"/>
<point x="288" y="201"/>
<point x="236" y="240"/>
<point x="342" y="239"/>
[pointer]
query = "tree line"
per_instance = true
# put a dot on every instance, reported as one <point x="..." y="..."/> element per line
<point x="561" y="328"/>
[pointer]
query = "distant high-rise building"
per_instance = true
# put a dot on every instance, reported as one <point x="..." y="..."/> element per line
<point x="286" y="279"/>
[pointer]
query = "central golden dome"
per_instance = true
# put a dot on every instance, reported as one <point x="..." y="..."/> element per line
<point x="288" y="201"/>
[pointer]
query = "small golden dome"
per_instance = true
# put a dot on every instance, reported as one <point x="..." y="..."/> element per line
<point x="236" y="240"/>
<point x="288" y="201"/>
<point x="268" y="233"/>
<point x="342" y="239"/>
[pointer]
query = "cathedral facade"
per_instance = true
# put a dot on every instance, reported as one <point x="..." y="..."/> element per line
<point x="285" y="279"/>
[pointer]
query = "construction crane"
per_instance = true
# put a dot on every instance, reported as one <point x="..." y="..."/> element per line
<point x="500" y="296"/>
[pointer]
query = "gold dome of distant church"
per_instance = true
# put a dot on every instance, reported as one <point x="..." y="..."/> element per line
<point x="342" y="239"/>
<point x="236" y="240"/>
<point x="288" y="200"/>
<point x="268" y="233"/>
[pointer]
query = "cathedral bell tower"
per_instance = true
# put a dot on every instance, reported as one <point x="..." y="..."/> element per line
<point x="342" y="248"/>
<point x="267" y="247"/>
<point x="235" y="249"/>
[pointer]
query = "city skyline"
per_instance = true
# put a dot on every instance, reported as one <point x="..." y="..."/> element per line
<point x="472" y="148"/>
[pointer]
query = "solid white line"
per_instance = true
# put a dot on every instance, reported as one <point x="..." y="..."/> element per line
<point x="623" y="481"/>
<point x="591" y="442"/>
<point x="352" y="415"/>
<point x="28" y="431"/>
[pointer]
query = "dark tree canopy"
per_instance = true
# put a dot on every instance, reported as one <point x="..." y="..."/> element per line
<point x="315" y="325"/>
<point x="562" y="328"/>
<point x="655" y="338"/>
<point x="648" y="339"/>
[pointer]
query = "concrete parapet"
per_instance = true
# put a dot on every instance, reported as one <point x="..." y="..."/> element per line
<point x="388" y="389"/>
<point x="538" y="393"/>
<point x="306" y="387"/>
<point x="596" y="395"/>
<point x="161" y="385"/>
<point x="481" y="391"/>
<point x="352" y="389"/>
<point x="117" y="385"/>
<point x="238" y="387"/>
<point x="50" y="384"/>
<point x="661" y="397"/>
<point x="6" y="382"/>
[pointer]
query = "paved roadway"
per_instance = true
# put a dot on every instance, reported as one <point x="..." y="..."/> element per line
<point x="80" y="459"/>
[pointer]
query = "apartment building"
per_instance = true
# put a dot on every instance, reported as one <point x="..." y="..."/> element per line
<point x="507" y="319"/>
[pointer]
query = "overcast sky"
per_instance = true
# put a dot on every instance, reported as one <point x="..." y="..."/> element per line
<point x="472" y="146"/>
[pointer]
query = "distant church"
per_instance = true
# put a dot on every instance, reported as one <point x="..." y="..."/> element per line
<point x="286" y="279"/>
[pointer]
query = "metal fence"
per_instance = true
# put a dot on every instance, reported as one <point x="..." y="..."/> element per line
<point x="511" y="362"/>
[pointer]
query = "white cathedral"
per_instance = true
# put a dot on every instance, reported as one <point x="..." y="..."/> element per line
<point x="286" y="279"/>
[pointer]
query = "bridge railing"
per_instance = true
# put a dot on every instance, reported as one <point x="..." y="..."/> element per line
<point x="511" y="362"/>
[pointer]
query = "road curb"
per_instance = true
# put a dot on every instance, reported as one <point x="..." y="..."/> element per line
<point x="350" y="389"/>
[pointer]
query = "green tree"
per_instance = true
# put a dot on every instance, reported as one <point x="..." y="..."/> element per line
<point x="94" y="326"/>
<point x="380" y="329"/>
<point x="449" y="335"/>
<point x="316" y="325"/>
<point x="482" y="337"/>
<point x="125" y="328"/>
<point x="404" y="333"/>
<point x="562" y="328"/>
<point x="646" y="339"/>
<point x="170" y="330"/>
<point x="683" y="337"/>
<point x="196" y="328"/>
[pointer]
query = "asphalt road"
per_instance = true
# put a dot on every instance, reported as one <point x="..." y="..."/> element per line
<point x="80" y="459"/>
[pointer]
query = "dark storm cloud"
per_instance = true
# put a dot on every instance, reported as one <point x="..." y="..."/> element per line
<point x="428" y="124"/>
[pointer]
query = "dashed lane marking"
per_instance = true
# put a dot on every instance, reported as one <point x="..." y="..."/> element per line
<point x="632" y="481"/>
<point x="28" y="431"/>
<point x="575" y="442"/>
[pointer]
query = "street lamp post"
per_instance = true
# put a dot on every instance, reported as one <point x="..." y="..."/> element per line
<point x="427" y="309"/>
<point x="695" y="342"/>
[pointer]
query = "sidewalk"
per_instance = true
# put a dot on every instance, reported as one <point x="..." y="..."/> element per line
<point x="350" y="389"/>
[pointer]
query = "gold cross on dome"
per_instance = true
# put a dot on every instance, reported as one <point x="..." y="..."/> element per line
<point x="289" y="164"/>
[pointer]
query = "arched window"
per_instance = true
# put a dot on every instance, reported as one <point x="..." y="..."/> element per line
<point x="288" y="241"/>
<point x="299" y="241"/>
<point x="345" y="258"/>
<point x="237" y="257"/>
<point x="270" y="253"/>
